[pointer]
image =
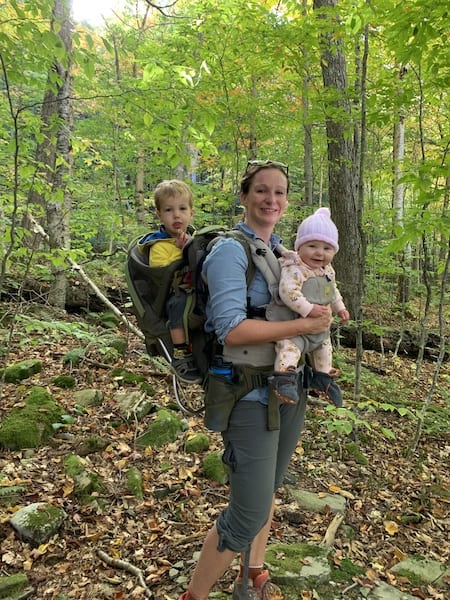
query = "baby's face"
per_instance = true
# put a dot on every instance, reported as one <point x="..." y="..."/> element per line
<point x="316" y="254"/>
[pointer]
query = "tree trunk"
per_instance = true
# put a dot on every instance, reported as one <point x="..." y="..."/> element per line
<point x="308" y="172"/>
<point x="398" y="199"/>
<point x="53" y="152"/>
<point x="141" y="213"/>
<point x="343" y="169"/>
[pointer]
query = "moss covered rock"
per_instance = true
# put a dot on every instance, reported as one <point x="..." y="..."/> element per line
<point x="21" y="370"/>
<point x="197" y="443"/>
<point x="38" y="522"/>
<point x="163" y="430"/>
<point x="214" y="468"/>
<point x="302" y="564"/>
<point x="30" y="425"/>
<point x="13" y="587"/>
<point x="74" y="465"/>
<point x="124" y="377"/>
<point x="87" y="486"/>
<point x="134" y="482"/>
<point x="64" y="381"/>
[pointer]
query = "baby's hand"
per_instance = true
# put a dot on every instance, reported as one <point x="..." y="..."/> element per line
<point x="319" y="311"/>
<point x="344" y="315"/>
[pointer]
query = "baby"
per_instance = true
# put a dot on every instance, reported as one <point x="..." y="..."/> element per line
<point x="307" y="286"/>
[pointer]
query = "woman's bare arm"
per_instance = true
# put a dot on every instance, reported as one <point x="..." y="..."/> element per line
<point x="254" y="331"/>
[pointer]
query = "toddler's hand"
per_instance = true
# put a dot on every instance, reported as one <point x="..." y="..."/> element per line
<point x="182" y="239"/>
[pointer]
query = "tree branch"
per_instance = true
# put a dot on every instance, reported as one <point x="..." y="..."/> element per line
<point x="125" y="566"/>
<point x="31" y="223"/>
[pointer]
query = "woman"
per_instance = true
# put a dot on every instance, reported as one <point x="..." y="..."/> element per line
<point x="257" y="454"/>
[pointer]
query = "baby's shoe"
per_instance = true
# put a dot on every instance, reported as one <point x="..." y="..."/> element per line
<point x="285" y="386"/>
<point x="324" y="386"/>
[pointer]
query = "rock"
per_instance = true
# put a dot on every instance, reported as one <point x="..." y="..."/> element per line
<point x="197" y="443"/>
<point x="37" y="522"/>
<point x="419" y="568"/>
<point x="30" y="425"/>
<point x="298" y="564"/>
<point x="85" y="398"/>
<point x="311" y="501"/>
<point x="13" y="586"/>
<point x="163" y="430"/>
<point x="383" y="591"/>
<point x="214" y="468"/>
<point x="21" y="370"/>
<point x="134" y="405"/>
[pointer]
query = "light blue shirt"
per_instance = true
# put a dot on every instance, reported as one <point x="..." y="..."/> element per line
<point x="225" y="269"/>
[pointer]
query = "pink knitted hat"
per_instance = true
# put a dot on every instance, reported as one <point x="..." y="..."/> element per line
<point x="320" y="227"/>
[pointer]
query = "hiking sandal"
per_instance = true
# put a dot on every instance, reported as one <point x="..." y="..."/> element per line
<point x="285" y="386"/>
<point x="261" y="588"/>
<point x="186" y="370"/>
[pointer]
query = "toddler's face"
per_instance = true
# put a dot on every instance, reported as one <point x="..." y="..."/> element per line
<point x="175" y="214"/>
<point x="316" y="254"/>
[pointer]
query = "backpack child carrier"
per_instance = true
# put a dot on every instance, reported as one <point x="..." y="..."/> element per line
<point x="150" y="287"/>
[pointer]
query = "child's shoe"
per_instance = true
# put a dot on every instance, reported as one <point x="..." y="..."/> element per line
<point x="186" y="369"/>
<point x="285" y="386"/>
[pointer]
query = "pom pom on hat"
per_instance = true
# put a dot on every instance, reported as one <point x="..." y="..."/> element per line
<point x="320" y="227"/>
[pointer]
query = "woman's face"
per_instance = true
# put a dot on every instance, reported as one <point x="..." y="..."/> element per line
<point x="266" y="200"/>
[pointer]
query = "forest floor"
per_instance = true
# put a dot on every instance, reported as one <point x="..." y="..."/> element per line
<point x="398" y="499"/>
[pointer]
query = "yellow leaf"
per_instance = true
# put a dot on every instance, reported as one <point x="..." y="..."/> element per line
<point x="27" y="564"/>
<point x="184" y="473"/>
<point x="391" y="527"/>
<point x="399" y="554"/>
<point x="335" y="489"/>
<point x="68" y="489"/>
<point x="122" y="463"/>
<point x="9" y="558"/>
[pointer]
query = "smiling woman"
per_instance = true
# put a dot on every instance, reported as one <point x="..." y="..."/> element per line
<point x="94" y="12"/>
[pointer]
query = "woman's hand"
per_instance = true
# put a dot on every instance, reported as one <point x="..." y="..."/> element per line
<point x="315" y="324"/>
<point x="318" y="310"/>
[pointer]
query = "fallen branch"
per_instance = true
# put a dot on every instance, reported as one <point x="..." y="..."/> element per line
<point x="125" y="566"/>
<point x="188" y="539"/>
<point x="330" y="533"/>
<point x="36" y="228"/>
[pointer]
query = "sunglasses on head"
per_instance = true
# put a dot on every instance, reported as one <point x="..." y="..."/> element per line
<point x="255" y="164"/>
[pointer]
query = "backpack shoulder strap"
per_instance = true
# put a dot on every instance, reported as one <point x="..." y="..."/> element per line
<point x="261" y="257"/>
<point x="246" y="244"/>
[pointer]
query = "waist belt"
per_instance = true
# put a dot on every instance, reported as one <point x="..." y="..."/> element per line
<point x="253" y="377"/>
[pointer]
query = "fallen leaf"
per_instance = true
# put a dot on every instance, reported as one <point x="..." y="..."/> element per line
<point x="391" y="527"/>
<point x="399" y="554"/>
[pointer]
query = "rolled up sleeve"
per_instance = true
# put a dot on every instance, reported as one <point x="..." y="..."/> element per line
<point x="225" y="270"/>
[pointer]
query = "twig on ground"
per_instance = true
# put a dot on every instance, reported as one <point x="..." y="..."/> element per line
<point x="188" y="539"/>
<point x="117" y="563"/>
<point x="330" y="533"/>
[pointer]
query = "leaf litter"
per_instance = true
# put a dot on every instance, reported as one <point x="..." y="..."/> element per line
<point x="397" y="506"/>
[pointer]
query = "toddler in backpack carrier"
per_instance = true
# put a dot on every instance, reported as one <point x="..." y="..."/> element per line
<point x="174" y="208"/>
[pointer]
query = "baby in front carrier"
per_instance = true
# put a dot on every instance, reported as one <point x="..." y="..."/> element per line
<point x="307" y="286"/>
